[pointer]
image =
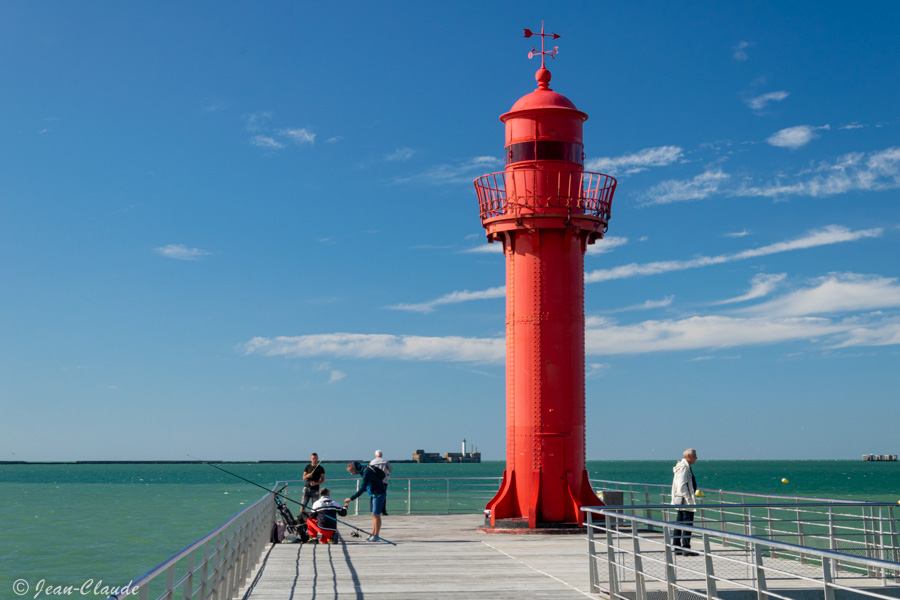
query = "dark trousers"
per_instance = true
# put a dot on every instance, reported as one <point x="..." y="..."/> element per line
<point x="683" y="538"/>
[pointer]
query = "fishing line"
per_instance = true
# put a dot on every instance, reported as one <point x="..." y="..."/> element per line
<point x="288" y="499"/>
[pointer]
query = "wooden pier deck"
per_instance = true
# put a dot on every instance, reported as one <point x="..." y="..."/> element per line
<point x="440" y="557"/>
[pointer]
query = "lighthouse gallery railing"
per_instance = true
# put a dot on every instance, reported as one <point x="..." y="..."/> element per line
<point x="509" y="192"/>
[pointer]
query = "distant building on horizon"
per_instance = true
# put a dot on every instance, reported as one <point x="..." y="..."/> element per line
<point x="420" y="456"/>
<point x="879" y="457"/>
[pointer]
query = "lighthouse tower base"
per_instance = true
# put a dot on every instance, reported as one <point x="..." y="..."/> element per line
<point x="503" y="513"/>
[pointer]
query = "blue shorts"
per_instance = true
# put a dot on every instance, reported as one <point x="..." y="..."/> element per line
<point x="378" y="504"/>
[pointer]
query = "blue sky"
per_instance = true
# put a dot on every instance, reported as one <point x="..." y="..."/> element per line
<point x="244" y="231"/>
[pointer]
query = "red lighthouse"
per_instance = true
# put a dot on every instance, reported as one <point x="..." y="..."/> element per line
<point x="545" y="209"/>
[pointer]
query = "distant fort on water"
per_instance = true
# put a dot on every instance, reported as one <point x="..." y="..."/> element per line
<point x="420" y="456"/>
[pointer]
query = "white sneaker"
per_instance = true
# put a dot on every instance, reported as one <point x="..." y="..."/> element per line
<point x="371" y="538"/>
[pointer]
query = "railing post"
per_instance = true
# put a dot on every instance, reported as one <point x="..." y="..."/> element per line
<point x="204" y="571"/>
<point x="760" y="573"/>
<point x="647" y="500"/>
<point x="592" y="553"/>
<point x="802" y="538"/>
<point x="708" y="563"/>
<point x="748" y="524"/>
<point x="895" y="541"/>
<point x="832" y="543"/>
<point x="670" y="563"/>
<point x="611" y="558"/>
<point x="869" y="536"/>
<point x="187" y="588"/>
<point x="170" y="583"/>
<point x="409" y="496"/>
<point x="638" y="564"/>
<point x="448" y="495"/>
<point x="827" y="578"/>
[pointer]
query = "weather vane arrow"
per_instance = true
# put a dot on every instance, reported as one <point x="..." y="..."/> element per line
<point x="551" y="53"/>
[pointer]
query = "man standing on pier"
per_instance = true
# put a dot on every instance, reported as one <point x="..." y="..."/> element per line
<point x="371" y="483"/>
<point x="384" y="464"/>
<point x="313" y="477"/>
<point x="684" y="486"/>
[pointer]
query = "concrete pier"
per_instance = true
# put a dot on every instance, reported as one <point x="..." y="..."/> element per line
<point x="441" y="557"/>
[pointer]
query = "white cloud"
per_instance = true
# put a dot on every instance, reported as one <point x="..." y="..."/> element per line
<point x="257" y="120"/>
<point x="697" y="188"/>
<point x="835" y="293"/>
<point x="795" y="317"/>
<point x="264" y="141"/>
<point x="301" y="136"/>
<point x="704" y="332"/>
<point x="463" y="171"/>
<point x="400" y="155"/>
<point x="181" y="252"/>
<point x="760" y="102"/>
<point x="795" y="137"/>
<point x="452" y="298"/>
<point x="495" y="248"/>
<point x="647" y="305"/>
<point x="596" y="369"/>
<point x="634" y="163"/>
<point x="887" y="333"/>
<point x="737" y="234"/>
<point x="876" y="171"/>
<point x="336" y="376"/>
<point x="383" y="346"/>
<point x="833" y="234"/>
<point x="761" y="285"/>
<point x="740" y="51"/>
<point x="606" y="244"/>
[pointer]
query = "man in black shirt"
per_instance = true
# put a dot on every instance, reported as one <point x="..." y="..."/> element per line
<point x="313" y="476"/>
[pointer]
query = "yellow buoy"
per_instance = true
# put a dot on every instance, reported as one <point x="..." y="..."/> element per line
<point x="784" y="480"/>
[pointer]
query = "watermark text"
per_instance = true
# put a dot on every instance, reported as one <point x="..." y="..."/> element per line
<point x="89" y="587"/>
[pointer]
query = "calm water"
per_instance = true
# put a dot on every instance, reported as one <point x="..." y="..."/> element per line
<point x="66" y="524"/>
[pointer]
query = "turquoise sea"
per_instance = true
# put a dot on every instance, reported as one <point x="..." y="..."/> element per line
<point x="69" y="523"/>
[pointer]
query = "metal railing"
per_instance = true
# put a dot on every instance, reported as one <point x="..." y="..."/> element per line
<point x="415" y="495"/>
<point x="214" y="566"/>
<point x="648" y="494"/>
<point x="509" y="192"/>
<point x="758" y="550"/>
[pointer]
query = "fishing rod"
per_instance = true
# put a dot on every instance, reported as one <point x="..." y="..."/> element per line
<point x="279" y="494"/>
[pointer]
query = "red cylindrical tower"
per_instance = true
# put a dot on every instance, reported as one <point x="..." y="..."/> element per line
<point x="545" y="209"/>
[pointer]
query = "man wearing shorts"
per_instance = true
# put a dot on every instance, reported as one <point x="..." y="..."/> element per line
<point x="370" y="483"/>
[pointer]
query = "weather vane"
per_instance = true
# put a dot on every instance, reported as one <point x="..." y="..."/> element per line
<point x="551" y="53"/>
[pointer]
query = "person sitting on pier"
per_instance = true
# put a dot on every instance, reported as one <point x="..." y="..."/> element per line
<point x="373" y="484"/>
<point x="323" y="518"/>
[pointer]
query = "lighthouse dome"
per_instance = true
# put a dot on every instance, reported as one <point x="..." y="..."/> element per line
<point x="542" y="98"/>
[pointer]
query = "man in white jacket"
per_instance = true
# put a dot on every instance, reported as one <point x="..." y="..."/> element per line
<point x="684" y="486"/>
